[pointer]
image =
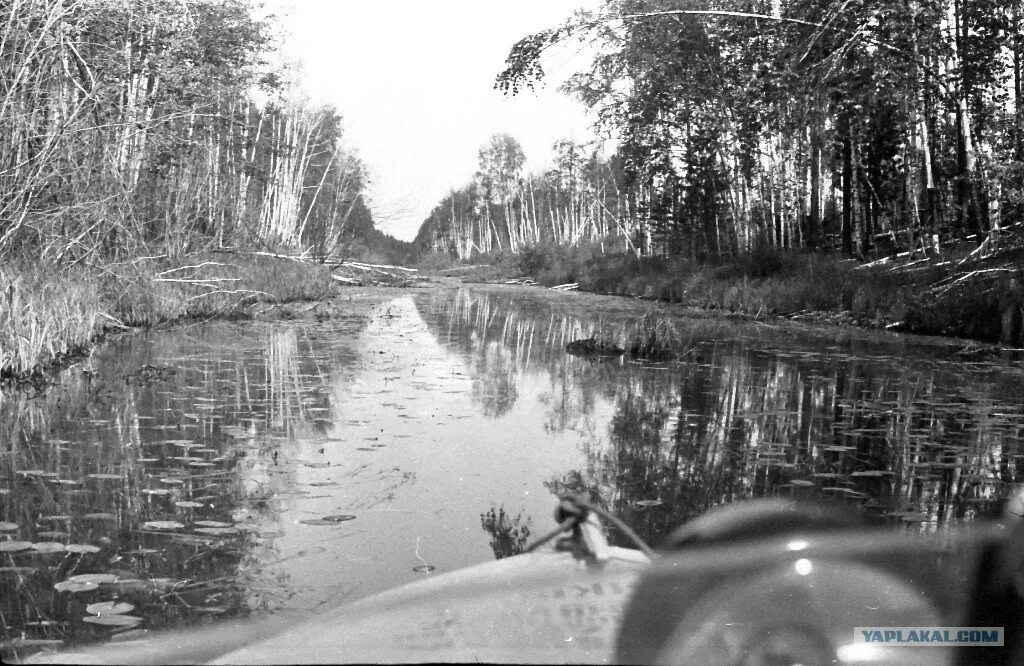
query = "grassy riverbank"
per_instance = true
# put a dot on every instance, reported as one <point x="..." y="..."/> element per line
<point x="966" y="291"/>
<point x="50" y="312"/>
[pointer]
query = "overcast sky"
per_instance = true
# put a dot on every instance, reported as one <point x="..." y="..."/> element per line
<point x="413" y="80"/>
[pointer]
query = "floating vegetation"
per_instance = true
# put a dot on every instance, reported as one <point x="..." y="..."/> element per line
<point x="113" y="620"/>
<point x="109" y="608"/>
<point x="217" y="531"/>
<point x="74" y="587"/>
<point x="328" y="520"/>
<point x="211" y="523"/>
<point x="655" y="339"/>
<point x="82" y="548"/>
<point x="98" y="578"/>
<point x="8" y="527"/>
<point x="55" y="534"/>
<point x="48" y="547"/>
<point x="648" y="503"/>
<point x="99" y="516"/>
<point x="18" y="570"/>
<point x="149" y="374"/>
<point x="104" y="476"/>
<point x="424" y="568"/>
<point x="163" y="525"/>
<point x="14" y="546"/>
<point x="155" y="491"/>
<point x="187" y="504"/>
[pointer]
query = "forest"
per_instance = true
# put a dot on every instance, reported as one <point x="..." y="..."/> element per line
<point x="143" y="145"/>
<point x="860" y="129"/>
<point x="790" y="125"/>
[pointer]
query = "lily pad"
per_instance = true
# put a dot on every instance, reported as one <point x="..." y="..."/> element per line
<point x="188" y="505"/>
<point x="18" y="570"/>
<point x="327" y="520"/>
<point x="424" y="568"/>
<point x="14" y="546"/>
<point x="109" y="608"/>
<point x="99" y="516"/>
<point x="648" y="503"/>
<point x="113" y="620"/>
<point x="48" y="547"/>
<point x="212" y="523"/>
<point x="163" y="525"/>
<point x="156" y="491"/>
<point x="105" y="476"/>
<point x="55" y="534"/>
<point x="81" y="548"/>
<point x="98" y="578"/>
<point x="73" y="587"/>
<point x="8" y="527"/>
<point x="217" y="531"/>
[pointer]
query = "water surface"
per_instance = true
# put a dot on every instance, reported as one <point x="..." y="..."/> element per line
<point x="232" y="468"/>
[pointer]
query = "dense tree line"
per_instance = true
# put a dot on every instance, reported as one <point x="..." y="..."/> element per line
<point x="583" y="196"/>
<point x="751" y="123"/>
<point x="144" y="126"/>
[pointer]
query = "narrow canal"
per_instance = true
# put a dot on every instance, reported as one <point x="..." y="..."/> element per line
<point x="235" y="468"/>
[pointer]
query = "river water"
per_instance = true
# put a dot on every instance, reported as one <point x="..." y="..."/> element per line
<point x="237" y="468"/>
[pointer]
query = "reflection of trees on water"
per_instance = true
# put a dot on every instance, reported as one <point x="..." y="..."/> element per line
<point x="509" y="535"/>
<point x="918" y="437"/>
<point x="94" y="459"/>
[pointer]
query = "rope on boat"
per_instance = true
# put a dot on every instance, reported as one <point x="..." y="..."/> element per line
<point x="572" y="511"/>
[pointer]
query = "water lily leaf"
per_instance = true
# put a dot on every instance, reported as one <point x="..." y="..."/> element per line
<point x="217" y="531"/>
<point x="47" y="519"/>
<point x="56" y="534"/>
<point x="98" y="578"/>
<point x="802" y="482"/>
<point x="14" y="546"/>
<point x="109" y="608"/>
<point x="188" y="505"/>
<point x="48" y="547"/>
<point x="113" y="620"/>
<point x="104" y="476"/>
<point x="328" y="520"/>
<point x="99" y="516"/>
<point x="648" y="503"/>
<point x="163" y="525"/>
<point x="18" y="570"/>
<point x="172" y="482"/>
<point x="212" y="523"/>
<point x="8" y="527"/>
<point x="73" y="587"/>
<point x="156" y="491"/>
<point x="81" y="548"/>
<point x="424" y="568"/>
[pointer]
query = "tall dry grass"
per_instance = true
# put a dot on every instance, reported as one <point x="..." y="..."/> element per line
<point x="49" y="312"/>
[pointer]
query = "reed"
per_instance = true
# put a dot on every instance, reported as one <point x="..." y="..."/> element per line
<point x="48" y="312"/>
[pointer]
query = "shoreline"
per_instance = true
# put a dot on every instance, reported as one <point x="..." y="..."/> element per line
<point x="328" y="306"/>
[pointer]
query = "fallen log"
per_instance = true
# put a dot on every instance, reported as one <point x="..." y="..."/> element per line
<point x="382" y="267"/>
<point x="346" y="280"/>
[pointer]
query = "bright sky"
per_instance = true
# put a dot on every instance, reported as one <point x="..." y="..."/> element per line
<point x="413" y="80"/>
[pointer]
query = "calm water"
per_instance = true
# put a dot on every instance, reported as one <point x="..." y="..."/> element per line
<point x="238" y="468"/>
